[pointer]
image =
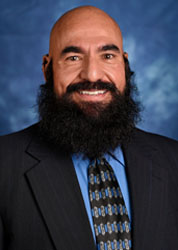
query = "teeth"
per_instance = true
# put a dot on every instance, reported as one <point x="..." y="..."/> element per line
<point x="96" y="92"/>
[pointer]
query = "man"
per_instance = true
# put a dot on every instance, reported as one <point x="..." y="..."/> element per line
<point x="87" y="121"/>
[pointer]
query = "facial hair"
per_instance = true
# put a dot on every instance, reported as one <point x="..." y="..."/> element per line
<point x="90" y="128"/>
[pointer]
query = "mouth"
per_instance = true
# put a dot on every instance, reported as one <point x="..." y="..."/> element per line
<point x="92" y="92"/>
<point x="93" y="95"/>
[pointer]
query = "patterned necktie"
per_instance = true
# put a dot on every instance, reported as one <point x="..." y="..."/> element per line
<point x="110" y="216"/>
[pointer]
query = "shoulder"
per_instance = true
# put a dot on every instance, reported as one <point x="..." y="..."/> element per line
<point x="153" y="138"/>
<point x="13" y="146"/>
<point x="14" y="162"/>
<point x="165" y="145"/>
<point x="161" y="150"/>
<point x="14" y="159"/>
<point x="20" y="137"/>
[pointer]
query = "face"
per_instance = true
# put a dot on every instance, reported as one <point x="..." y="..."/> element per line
<point x="87" y="48"/>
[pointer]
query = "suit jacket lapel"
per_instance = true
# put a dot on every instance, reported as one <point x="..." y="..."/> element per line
<point x="56" y="189"/>
<point x="147" y="181"/>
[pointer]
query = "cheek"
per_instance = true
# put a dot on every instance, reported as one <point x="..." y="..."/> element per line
<point x="62" y="78"/>
<point x="116" y="74"/>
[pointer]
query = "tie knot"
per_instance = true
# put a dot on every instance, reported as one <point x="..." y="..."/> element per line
<point x="97" y="161"/>
<point x="100" y="161"/>
<point x="100" y="171"/>
<point x="97" y="165"/>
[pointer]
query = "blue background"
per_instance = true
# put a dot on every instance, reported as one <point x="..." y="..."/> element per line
<point x="150" y="30"/>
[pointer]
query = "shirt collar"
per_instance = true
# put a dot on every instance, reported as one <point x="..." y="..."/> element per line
<point x="115" y="154"/>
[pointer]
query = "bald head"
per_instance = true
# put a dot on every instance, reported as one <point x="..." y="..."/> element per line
<point x="84" y="18"/>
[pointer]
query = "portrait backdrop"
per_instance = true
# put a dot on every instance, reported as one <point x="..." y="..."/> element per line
<point x="150" y="31"/>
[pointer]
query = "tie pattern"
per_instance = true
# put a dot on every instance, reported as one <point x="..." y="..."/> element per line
<point x="109" y="213"/>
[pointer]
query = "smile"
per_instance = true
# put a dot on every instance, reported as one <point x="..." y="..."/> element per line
<point x="92" y="92"/>
<point x="93" y="95"/>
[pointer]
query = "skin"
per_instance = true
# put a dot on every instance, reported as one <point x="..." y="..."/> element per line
<point x="86" y="45"/>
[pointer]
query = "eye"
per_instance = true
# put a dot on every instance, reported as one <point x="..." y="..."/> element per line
<point x="73" y="58"/>
<point x="108" y="56"/>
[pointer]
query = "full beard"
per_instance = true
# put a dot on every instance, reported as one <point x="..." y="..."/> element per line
<point x="90" y="128"/>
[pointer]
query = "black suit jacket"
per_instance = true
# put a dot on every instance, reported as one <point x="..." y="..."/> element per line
<point x="41" y="205"/>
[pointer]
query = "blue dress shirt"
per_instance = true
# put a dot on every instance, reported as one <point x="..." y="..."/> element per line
<point x="116" y="160"/>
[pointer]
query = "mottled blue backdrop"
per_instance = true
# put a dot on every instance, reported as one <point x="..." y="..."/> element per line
<point x="150" y="30"/>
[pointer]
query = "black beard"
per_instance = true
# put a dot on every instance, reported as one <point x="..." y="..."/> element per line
<point x="89" y="128"/>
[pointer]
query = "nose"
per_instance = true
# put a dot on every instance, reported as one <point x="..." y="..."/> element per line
<point x="91" y="70"/>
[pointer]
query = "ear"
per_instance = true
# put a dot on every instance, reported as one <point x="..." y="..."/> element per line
<point x="46" y="61"/>
<point x="126" y="55"/>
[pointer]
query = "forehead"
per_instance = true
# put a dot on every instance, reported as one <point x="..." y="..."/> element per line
<point x="88" y="37"/>
<point x="84" y="30"/>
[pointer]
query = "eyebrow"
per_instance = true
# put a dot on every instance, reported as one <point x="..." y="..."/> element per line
<point x="76" y="49"/>
<point x="73" y="49"/>
<point x="109" y="47"/>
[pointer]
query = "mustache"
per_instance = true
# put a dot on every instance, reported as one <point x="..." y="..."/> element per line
<point x="87" y="85"/>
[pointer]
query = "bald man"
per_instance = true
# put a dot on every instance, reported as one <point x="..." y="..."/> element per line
<point x="87" y="119"/>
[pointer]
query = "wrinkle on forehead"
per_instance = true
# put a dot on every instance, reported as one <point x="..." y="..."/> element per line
<point x="83" y="17"/>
